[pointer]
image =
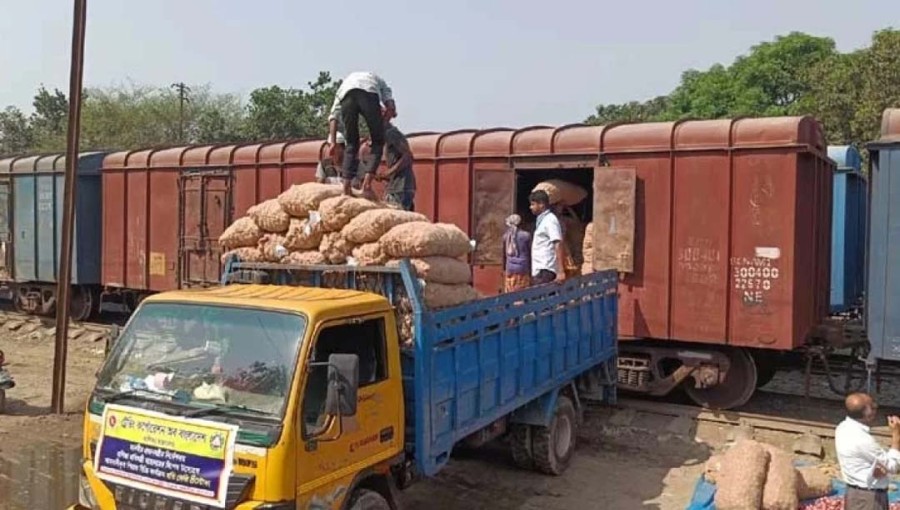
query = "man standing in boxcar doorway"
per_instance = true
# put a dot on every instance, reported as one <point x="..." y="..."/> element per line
<point x="547" y="255"/>
<point x="865" y="465"/>
<point x="361" y="93"/>
<point x="401" y="188"/>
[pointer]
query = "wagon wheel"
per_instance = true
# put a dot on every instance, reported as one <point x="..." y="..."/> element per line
<point x="81" y="307"/>
<point x="735" y="390"/>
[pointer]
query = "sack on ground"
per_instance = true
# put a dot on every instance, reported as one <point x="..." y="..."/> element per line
<point x="812" y="483"/>
<point x="370" y="226"/>
<point x="562" y="192"/>
<point x="369" y="254"/>
<point x="336" y="212"/>
<point x="301" y="199"/>
<point x="303" y="235"/>
<point x="445" y="270"/>
<point x="438" y="295"/>
<point x="305" y="258"/>
<point x="739" y="484"/>
<point x="424" y="239"/>
<point x="242" y="233"/>
<point x="244" y="254"/>
<point x="269" y="216"/>
<point x="335" y="248"/>
<point x="272" y="247"/>
<point x="780" y="489"/>
<point x="712" y="468"/>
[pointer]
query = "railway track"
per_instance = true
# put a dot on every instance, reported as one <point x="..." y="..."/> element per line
<point x="36" y="327"/>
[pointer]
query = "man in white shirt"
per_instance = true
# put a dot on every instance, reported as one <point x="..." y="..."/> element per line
<point x="546" y="244"/>
<point x="360" y="93"/>
<point x="865" y="465"/>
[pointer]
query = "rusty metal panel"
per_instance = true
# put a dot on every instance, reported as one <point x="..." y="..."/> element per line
<point x="644" y="293"/>
<point x="702" y="202"/>
<point x="205" y="212"/>
<point x="137" y="229"/>
<point x="613" y="236"/>
<point x="454" y="193"/>
<point x="493" y="198"/>
<point x="162" y="235"/>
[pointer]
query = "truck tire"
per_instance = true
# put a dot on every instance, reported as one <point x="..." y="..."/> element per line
<point x="365" y="499"/>
<point x="553" y="447"/>
<point x="520" y="445"/>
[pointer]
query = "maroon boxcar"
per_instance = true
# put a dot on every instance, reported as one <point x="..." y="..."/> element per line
<point x="731" y="247"/>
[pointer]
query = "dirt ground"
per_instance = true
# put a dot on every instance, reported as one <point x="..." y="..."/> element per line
<point x="623" y="461"/>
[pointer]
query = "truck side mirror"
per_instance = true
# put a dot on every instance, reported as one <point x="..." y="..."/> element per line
<point x="343" y="385"/>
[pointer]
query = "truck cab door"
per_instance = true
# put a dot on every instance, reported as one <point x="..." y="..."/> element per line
<point x="331" y="455"/>
<point x="615" y="201"/>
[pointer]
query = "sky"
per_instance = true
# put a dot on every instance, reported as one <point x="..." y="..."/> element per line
<point x="452" y="65"/>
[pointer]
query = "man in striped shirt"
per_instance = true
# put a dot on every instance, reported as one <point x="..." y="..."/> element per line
<point x="361" y="93"/>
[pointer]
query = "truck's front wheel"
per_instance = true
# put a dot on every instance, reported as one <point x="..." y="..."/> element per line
<point x="553" y="447"/>
<point x="520" y="445"/>
<point x="365" y="499"/>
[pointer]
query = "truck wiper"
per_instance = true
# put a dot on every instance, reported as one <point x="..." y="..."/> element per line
<point x="225" y="409"/>
<point x="132" y="392"/>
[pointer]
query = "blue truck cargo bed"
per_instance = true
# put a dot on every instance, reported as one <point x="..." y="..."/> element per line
<point x="470" y="365"/>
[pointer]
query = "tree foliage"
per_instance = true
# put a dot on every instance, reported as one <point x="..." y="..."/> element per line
<point x="131" y="116"/>
<point x="795" y="74"/>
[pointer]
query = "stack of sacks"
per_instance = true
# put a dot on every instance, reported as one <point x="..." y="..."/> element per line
<point x="315" y="224"/>
<point x="562" y="192"/>
<point x="757" y="475"/>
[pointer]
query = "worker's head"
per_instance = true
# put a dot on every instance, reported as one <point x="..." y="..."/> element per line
<point x="513" y="220"/>
<point x="539" y="201"/>
<point x="861" y="407"/>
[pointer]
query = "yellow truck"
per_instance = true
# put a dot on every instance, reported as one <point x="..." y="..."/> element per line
<point x="335" y="388"/>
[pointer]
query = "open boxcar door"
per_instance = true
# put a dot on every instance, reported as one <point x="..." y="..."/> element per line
<point x="615" y="197"/>
<point x="205" y="212"/>
<point x="5" y="234"/>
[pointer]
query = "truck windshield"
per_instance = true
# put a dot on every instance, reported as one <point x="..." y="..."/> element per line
<point x="239" y="359"/>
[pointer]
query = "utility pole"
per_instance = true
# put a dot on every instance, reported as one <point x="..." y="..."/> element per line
<point x="63" y="284"/>
<point x="183" y="91"/>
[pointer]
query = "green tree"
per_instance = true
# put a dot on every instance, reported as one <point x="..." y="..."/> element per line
<point x="16" y="134"/>
<point x="632" y="111"/>
<point x="276" y="113"/>
<point x="880" y="83"/>
<point x="50" y="119"/>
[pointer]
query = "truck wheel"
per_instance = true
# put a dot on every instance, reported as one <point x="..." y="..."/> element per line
<point x="553" y="447"/>
<point x="365" y="499"/>
<point x="520" y="445"/>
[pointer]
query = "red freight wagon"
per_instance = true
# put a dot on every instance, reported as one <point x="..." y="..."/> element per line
<point x="731" y="240"/>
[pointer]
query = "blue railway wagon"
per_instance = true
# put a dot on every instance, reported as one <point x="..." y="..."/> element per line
<point x="37" y="184"/>
<point x="848" y="228"/>
<point x="6" y="251"/>
<point x="883" y="275"/>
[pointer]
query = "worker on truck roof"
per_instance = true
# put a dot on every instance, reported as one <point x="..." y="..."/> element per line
<point x="360" y="93"/>
<point x="547" y="255"/>
<point x="401" y="188"/>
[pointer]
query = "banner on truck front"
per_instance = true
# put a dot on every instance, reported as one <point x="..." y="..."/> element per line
<point x="177" y="457"/>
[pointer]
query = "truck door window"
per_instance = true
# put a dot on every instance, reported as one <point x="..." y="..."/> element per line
<point x="366" y="339"/>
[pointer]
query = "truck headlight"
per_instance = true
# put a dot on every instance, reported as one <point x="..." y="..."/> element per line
<point x="86" y="497"/>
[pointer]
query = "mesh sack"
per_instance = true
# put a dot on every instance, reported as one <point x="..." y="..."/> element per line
<point x="244" y="254"/>
<point x="370" y="226"/>
<point x="301" y="199"/>
<point x="335" y="248"/>
<point x="336" y="212"/>
<point x="369" y="254"/>
<point x="780" y="489"/>
<point x="272" y="248"/>
<point x="587" y="249"/>
<point x="242" y="233"/>
<point x="711" y="468"/>
<point x="812" y="483"/>
<point x="438" y="295"/>
<point x="269" y="216"/>
<point x="424" y="239"/>
<point x="440" y="270"/>
<point x="739" y="484"/>
<point x="562" y="192"/>
<point x="303" y="235"/>
<point x="305" y="258"/>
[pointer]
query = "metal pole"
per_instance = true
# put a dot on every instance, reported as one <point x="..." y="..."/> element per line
<point x="65" y="259"/>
